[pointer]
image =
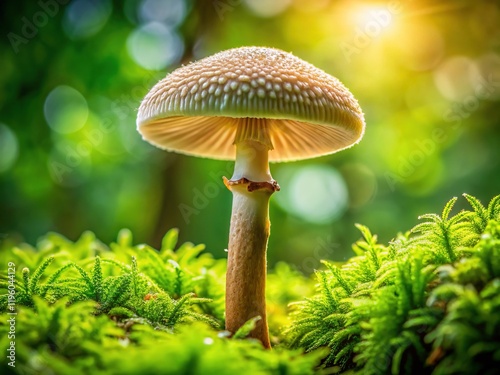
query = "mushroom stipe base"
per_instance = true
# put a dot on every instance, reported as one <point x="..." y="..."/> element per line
<point x="247" y="263"/>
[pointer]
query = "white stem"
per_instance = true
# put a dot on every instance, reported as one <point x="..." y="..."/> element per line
<point x="252" y="162"/>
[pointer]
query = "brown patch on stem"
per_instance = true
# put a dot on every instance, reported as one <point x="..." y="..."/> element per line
<point x="251" y="185"/>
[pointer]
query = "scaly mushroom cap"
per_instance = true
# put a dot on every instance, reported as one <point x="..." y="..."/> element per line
<point x="304" y="112"/>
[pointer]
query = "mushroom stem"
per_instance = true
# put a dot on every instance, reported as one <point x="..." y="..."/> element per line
<point x="252" y="186"/>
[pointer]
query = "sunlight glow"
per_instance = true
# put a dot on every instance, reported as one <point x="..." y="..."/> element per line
<point x="374" y="19"/>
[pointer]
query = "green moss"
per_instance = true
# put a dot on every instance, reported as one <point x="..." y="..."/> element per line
<point x="426" y="303"/>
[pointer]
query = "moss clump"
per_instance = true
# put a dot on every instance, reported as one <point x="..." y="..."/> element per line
<point x="83" y="307"/>
<point x="426" y="303"/>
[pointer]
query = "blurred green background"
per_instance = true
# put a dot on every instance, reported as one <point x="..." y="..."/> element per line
<point x="426" y="73"/>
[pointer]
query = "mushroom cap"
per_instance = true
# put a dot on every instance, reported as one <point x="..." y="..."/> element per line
<point x="197" y="109"/>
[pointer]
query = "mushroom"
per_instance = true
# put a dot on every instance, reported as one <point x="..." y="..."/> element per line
<point x="252" y="105"/>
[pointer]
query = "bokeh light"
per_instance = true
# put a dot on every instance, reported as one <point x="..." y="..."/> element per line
<point x="65" y="110"/>
<point x="84" y="18"/>
<point x="155" y="46"/>
<point x="265" y="8"/>
<point x="314" y="193"/>
<point x="9" y="148"/>
<point x="170" y="12"/>
<point x="457" y="77"/>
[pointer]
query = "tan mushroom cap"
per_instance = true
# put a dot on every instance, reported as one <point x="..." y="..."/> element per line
<point x="198" y="108"/>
